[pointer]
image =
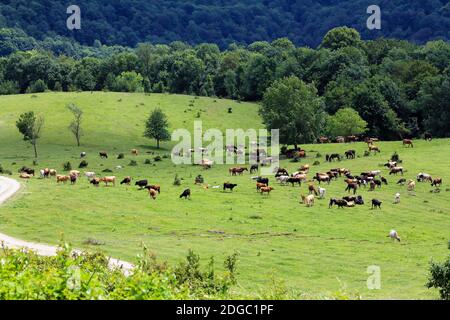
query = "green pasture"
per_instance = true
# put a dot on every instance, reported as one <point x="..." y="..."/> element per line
<point x="314" y="251"/>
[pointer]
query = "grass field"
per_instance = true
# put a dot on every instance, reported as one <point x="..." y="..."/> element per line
<point x="316" y="251"/>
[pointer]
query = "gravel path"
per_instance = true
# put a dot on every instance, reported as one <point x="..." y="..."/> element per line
<point x="8" y="188"/>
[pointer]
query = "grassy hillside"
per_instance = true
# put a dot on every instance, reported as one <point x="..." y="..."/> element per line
<point x="316" y="251"/>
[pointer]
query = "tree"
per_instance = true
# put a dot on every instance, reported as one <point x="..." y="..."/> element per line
<point x="75" y="125"/>
<point x="156" y="127"/>
<point x="341" y="37"/>
<point x="30" y="127"/>
<point x="346" y="122"/>
<point x="294" y="108"/>
<point x="440" y="278"/>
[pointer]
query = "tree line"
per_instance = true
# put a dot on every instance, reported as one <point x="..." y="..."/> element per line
<point x="398" y="88"/>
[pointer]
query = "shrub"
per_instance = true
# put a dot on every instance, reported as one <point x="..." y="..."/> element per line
<point x="316" y="163"/>
<point x="440" y="278"/>
<point x="107" y="171"/>
<point x="9" y="87"/>
<point x="121" y="156"/>
<point x="318" y="155"/>
<point x="35" y="162"/>
<point x="37" y="87"/>
<point x="147" y="161"/>
<point x="157" y="159"/>
<point x="67" y="166"/>
<point x="133" y="163"/>
<point x="395" y="157"/>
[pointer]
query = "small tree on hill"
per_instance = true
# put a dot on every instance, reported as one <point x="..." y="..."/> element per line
<point x="75" y="125"/>
<point x="156" y="127"/>
<point x="346" y="122"/>
<point x="30" y="127"/>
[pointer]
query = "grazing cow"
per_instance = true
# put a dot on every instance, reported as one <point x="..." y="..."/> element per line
<point x="281" y="172"/>
<point x="186" y="194"/>
<point x="75" y="172"/>
<point x="294" y="180"/>
<point x="391" y="164"/>
<point x="259" y="186"/>
<point x="27" y="170"/>
<point x="428" y="136"/>
<point x="408" y="142"/>
<point x="372" y="185"/>
<point x="53" y="173"/>
<point x="155" y="187"/>
<point x="340" y="139"/>
<point x="45" y="173"/>
<point x="103" y="155"/>
<point x="424" y="177"/>
<point x="339" y="202"/>
<point x="95" y="182"/>
<point x="350" y="154"/>
<point x="152" y="193"/>
<point x="62" y="178"/>
<point x="332" y="157"/>
<point x="401" y="181"/>
<point x="305" y="168"/>
<point x="73" y="179"/>
<point x="107" y="180"/>
<point x="141" y="184"/>
<point x="24" y="175"/>
<point x="352" y="186"/>
<point x="283" y="180"/>
<point x="376" y="203"/>
<point x="312" y="189"/>
<point x="384" y="180"/>
<point x="411" y="185"/>
<point x="396" y="170"/>
<point x="397" y="198"/>
<point x="83" y="155"/>
<point x="322" y="178"/>
<point x="309" y="200"/>
<point x="436" y="182"/>
<point x="394" y="235"/>
<point x="89" y="175"/>
<point x="237" y="171"/>
<point x="375" y="149"/>
<point x="262" y="180"/>
<point x="323" y="140"/>
<point x="254" y="168"/>
<point x="267" y="190"/>
<point x="322" y="193"/>
<point x="230" y="186"/>
<point x="359" y="201"/>
<point x="134" y="152"/>
<point x="126" y="180"/>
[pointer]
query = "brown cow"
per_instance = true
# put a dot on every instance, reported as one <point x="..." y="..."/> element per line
<point x="373" y="148"/>
<point x="134" y="152"/>
<point x="152" y="193"/>
<point x="437" y="182"/>
<point x="408" y="142"/>
<point x="259" y="186"/>
<point x="24" y="175"/>
<point x="62" y="178"/>
<point x="266" y="190"/>
<point x="107" y="180"/>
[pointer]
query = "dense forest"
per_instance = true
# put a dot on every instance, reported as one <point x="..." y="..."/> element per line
<point x="305" y="22"/>
<point x="399" y="88"/>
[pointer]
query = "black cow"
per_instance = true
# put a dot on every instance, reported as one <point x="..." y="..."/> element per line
<point x="126" y="180"/>
<point x="350" y="154"/>
<point x="339" y="202"/>
<point x="230" y="186"/>
<point x="27" y="171"/>
<point x="376" y="203"/>
<point x="141" y="183"/>
<point x="254" y="168"/>
<point x="294" y="181"/>
<point x="186" y="194"/>
<point x="263" y="180"/>
<point x="103" y="155"/>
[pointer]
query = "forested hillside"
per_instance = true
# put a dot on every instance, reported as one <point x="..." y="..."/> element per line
<point x="400" y="89"/>
<point x="305" y="22"/>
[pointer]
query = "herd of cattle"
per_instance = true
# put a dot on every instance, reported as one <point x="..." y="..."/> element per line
<point x="371" y="179"/>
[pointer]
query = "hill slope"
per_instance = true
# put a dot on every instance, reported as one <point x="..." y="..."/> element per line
<point x="305" y="22"/>
<point x="315" y="251"/>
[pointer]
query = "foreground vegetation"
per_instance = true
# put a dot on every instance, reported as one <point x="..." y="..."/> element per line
<point x="310" y="252"/>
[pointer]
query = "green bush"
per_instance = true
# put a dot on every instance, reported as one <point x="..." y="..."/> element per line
<point x="9" y="87"/>
<point x="440" y="278"/>
<point x="86" y="276"/>
<point x="133" y="163"/>
<point x="67" y="166"/>
<point x="37" y="87"/>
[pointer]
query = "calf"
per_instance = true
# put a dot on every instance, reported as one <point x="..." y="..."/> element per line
<point x="186" y="194"/>
<point x="141" y="183"/>
<point x="230" y="186"/>
<point x="126" y="180"/>
<point x="376" y="203"/>
<point x="266" y="190"/>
